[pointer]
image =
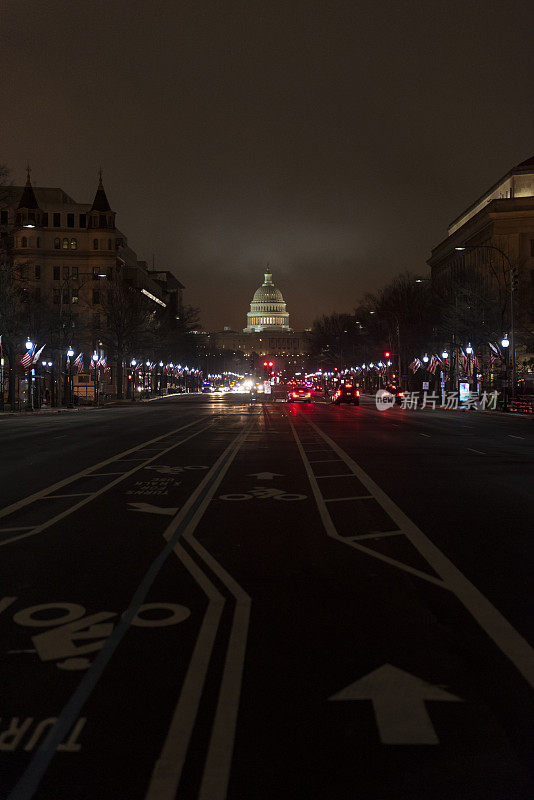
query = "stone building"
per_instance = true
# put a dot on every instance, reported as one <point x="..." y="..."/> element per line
<point x="63" y="253"/>
<point x="267" y="333"/>
<point x="494" y="239"/>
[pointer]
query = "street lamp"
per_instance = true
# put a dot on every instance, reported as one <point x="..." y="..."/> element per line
<point x="70" y="398"/>
<point x="95" y="367"/>
<point x="505" y="342"/>
<point x="469" y="349"/>
<point x="512" y="276"/>
<point x="131" y="385"/>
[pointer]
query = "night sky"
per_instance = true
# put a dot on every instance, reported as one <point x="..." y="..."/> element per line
<point x="334" y="140"/>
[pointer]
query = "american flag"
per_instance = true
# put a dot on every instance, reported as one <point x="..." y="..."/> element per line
<point x="27" y="358"/>
<point x="78" y="362"/>
<point x="103" y="362"/>
<point x="476" y="364"/>
<point x="495" y="349"/>
<point x="37" y="354"/>
<point x="432" y="367"/>
<point x="415" y="365"/>
<point x="465" y="360"/>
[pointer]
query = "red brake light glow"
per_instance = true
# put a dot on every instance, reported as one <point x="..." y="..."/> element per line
<point x="357" y="392"/>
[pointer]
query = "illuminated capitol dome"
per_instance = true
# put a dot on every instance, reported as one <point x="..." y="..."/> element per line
<point x="267" y="309"/>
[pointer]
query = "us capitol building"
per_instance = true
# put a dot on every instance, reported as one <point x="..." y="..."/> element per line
<point x="267" y="332"/>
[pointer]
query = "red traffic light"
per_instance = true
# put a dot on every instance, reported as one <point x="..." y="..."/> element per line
<point x="265" y="364"/>
<point x="271" y="364"/>
<point x="387" y="354"/>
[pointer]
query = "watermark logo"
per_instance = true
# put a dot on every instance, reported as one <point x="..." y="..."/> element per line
<point x="384" y="400"/>
<point x="486" y="401"/>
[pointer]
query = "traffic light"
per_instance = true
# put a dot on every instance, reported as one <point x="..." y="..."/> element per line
<point x="515" y="278"/>
<point x="387" y="354"/>
<point x="267" y="369"/>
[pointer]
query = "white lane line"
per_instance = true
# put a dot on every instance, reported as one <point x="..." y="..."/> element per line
<point x="44" y="525"/>
<point x="105" y="474"/>
<point x="74" y="494"/>
<point x="342" y="475"/>
<point x="425" y="434"/>
<point x="88" y="471"/>
<point x="511" y="435"/>
<point x="340" y="499"/>
<point x="480" y="452"/>
<point x="507" y="639"/>
<point x="20" y="528"/>
<point x="325" y="461"/>
<point x="30" y="780"/>
<point x="381" y="535"/>
<point x="168" y="769"/>
<point x="331" y="530"/>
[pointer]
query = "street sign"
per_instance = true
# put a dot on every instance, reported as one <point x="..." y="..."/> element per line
<point x="426" y="385"/>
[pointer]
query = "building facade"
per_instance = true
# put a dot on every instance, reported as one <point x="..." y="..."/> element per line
<point x="493" y="240"/>
<point x="267" y="309"/>
<point x="64" y="254"/>
<point x="267" y="334"/>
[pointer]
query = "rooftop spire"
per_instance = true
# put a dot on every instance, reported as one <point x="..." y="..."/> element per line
<point x="28" y="199"/>
<point x="100" y="203"/>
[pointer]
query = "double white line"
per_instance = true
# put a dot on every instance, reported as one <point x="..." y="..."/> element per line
<point x="167" y="772"/>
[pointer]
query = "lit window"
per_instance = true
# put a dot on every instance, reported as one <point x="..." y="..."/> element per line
<point x="73" y="244"/>
<point x="65" y="244"/>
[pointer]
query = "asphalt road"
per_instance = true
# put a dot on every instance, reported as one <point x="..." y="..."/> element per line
<point x="203" y="599"/>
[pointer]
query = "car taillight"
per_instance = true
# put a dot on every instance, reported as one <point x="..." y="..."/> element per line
<point x="357" y="392"/>
<point x="400" y="394"/>
<point x="348" y="386"/>
<point x="295" y="394"/>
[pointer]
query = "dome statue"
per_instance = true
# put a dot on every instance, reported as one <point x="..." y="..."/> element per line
<point x="267" y="309"/>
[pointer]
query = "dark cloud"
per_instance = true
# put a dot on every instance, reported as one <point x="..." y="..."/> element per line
<point x="334" y="140"/>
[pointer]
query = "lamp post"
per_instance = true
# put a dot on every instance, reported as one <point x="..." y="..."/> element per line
<point x="94" y="358"/>
<point x="133" y="364"/>
<point x="29" y="389"/>
<point x="511" y="275"/>
<point x="160" y="387"/>
<point x="505" y="343"/>
<point x="70" y="398"/>
<point x="2" y="405"/>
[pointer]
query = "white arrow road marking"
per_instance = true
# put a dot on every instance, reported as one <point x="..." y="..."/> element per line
<point x="266" y="476"/>
<point x="399" y="703"/>
<point x="147" y="508"/>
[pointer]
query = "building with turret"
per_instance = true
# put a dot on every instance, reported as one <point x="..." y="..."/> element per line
<point x="63" y="254"/>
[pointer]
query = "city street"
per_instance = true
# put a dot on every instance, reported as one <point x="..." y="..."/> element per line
<point x="204" y="598"/>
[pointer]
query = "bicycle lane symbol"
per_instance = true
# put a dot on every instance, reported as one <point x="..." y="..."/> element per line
<point x="72" y="636"/>
<point x="263" y="493"/>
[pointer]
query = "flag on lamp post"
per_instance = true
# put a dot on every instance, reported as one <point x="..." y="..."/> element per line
<point x="35" y="357"/>
<point x="27" y="358"/>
